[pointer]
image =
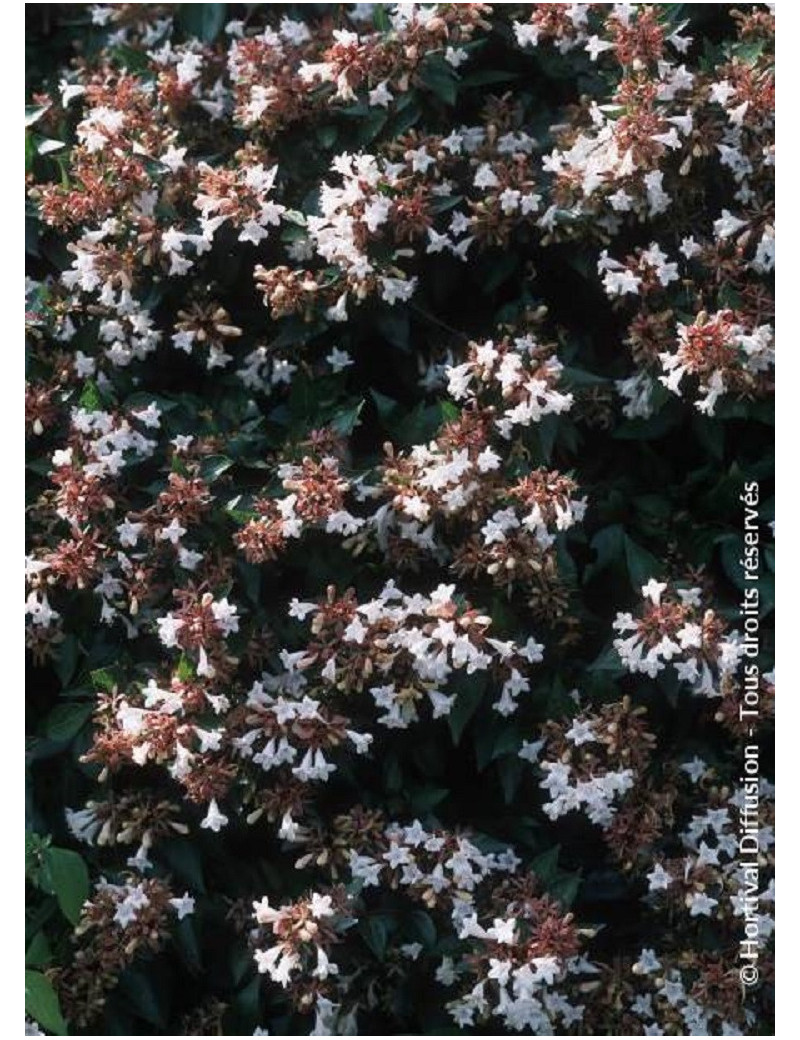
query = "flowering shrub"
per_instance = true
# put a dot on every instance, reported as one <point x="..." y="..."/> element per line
<point x="399" y="397"/>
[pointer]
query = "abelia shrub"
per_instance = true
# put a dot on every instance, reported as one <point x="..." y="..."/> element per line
<point x="398" y="424"/>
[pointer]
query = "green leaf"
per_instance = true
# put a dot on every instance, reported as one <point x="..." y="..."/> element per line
<point x="510" y="769"/>
<point x="67" y="659"/>
<point x="578" y="377"/>
<point x="546" y="433"/>
<point x="387" y="407"/>
<point x="749" y="52"/>
<point x="33" y="113"/>
<point x="147" y="993"/>
<point x="608" y="663"/>
<point x="374" y="929"/>
<point x="406" y="117"/>
<point x="496" y="737"/>
<point x="395" y="326"/>
<point x="498" y="268"/>
<point x="184" y="860"/>
<point x="487" y="77"/>
<point x="246" y="1001"/>
<point x="440" y="78"/>
<point x="130" y="58"/>
<point x="205" y="21"/>
<point x="370" y="125"/>
<point x="185" y="939"/>
<point x="642" y="565"/>
<point x="729" y="296"/>
<point x="392" y="773"/>
<point x="469" y="694"/>
<point x="69" y="879"/>
<point x="347" y="420"/>
<point x="326" y="135"/>
<point x="213" y="466"/>
<point x="731" y="548"/>
<point x="444" y="203"/>
<point x="423" y="799"/>
<point x="656" y="426"/>
<point x="103" y="679"/>
<point x="565" y="888"/>
<point x="545" y="866"/>
<point x="65" y="721"/>
<point x="711" y="434"/>
<point x="38" y="953"/>
<point x="35" y="845"/>
<point x="90" y="398"/>
<point x="185" y="670"/>
<point x="380" y="17"/>
<point x="422" y="928"/>
<point x="49" y="145"/>
<point x="41" y="1003"/>
<point x="609" y="546"/>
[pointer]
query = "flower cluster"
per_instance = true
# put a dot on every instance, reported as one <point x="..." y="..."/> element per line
<point x="592" y="763"/>
<point x="406" y="650"/>
<point x="377" y="356"/>
<point x="517" y="963"/>
<point x="675" y="630"/>
<point x="118" y="924"/>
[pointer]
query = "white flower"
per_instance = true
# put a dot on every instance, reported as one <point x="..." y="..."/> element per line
<point x="69" y="91"/>
<point x="659" y="878"/>
<point x="647" y="962"/>
<point x="62" y="457"/>
<point x="485" y="177"/>
<point x="168" y="628"/>
<point x="700" y="904"/>
<point x="728" y="225"/>
<point x="420" y="159"/>
<point x="84" y="365"/>
<point x="338" y="312"/>
<point x="189" y="68"/>
<point x="381" y="96"/>
<point x="595" y="47"/>
<point x="696" y="769"/>
<point x="455" y="56"/>
<point x="183" y="905"/>
<point x="253" y="232"/>
<point x="394" y="290"/>
<point x="580" y="732"/>
<point x="690" y="248"/>
<point x="321" y="906"/>
<point x="503" y="931"/>
<point x="214" y="819"/>
<point x="184" y="340"/>
<point x="653" y="590"/>
<point x="355" y="631"/>
<point x="225" y="614"/>
<point x="294" y="32"/>
<point x="339" y="359"/>
<point x="188" y="559"/>
<point x="173" y="532"/>
<point x="173" y="158"/>
<point x="150" y="416"/>
<point x="720" y="93"/>
<point x="530" y="750"/>
<point x="527" y="35"/>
